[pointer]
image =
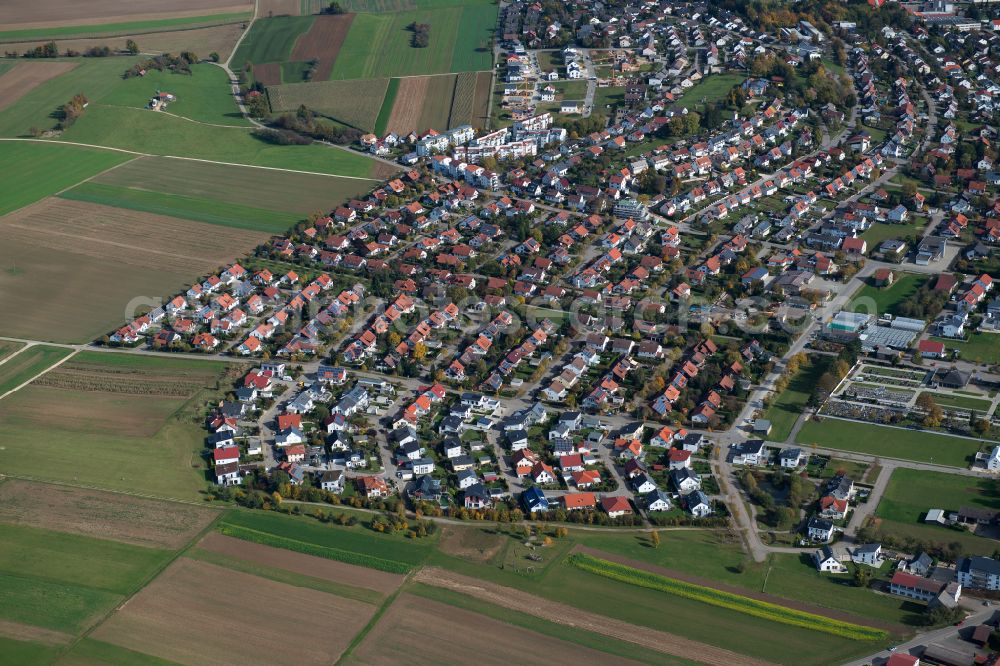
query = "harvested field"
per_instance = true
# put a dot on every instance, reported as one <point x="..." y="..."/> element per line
<point x="481" y="104"/>
<point x="354" y="103"/>
<point x="769" y="598"/>
<point x="322" y="42"/>
<point x="383" y="170"/>
<point x="406" y="110"/>
<point x="25" y="76"/>
<point x="25" y="14"/>
<point x="27" y="632"/>
<point x="470" y="544"/>
<point x="268" y="74"/>
<point x="141" y="240"/>
<point x="268" y="8"/>
<point x="73" y="268"/>
<point x="309" y="565"/>
<point x="272" y="190"/>
<point x="196" y="613"/>
<point x="422" y="103"/>
<point x="464" y="638"/>
<point x="568" y="615"/>
<point x="95" y="513"/>
<point x="99" y="393"/>
<point x="471" y="103"/>
<point x="218" y="38"/>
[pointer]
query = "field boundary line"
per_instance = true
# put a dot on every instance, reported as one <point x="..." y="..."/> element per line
<point x="27" y="345"/>
<point x="206" y="161"/>
<point x="86" y="486"/>
<point x="51" y="367"/>
<point x="174" y="115"/>
<point x="153" y="575"/>
<point x="365" y="630"/>
<point x="246" y="31"/>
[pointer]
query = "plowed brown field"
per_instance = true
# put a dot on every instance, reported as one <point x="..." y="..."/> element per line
<point x="199" y="613"/>
<point x="268" y="73"/>
<point x="95" y="513"/>
<point x="28" y="14"/>
<point x="323" y="42"/>
<point x="308" y="565"/>
<point x="446" y="634"/>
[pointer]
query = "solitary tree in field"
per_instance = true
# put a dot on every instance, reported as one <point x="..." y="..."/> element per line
<point x="132" y="47"/>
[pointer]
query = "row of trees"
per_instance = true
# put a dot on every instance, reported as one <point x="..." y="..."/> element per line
<point x="71" y="110"/>
<point x="176" y="63"/>
<point x="51" y="50"/>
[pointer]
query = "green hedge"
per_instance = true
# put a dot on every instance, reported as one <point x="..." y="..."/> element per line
<point x="735" y="602"/>
<point x="349" y="557"/>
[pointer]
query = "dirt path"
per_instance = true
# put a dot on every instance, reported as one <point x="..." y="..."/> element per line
<point x="559" y="613"/>
<point x="24" y="632"/>
<point x="761" y="596"/>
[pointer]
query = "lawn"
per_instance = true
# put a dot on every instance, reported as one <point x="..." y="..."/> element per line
<point x="880" y="231"/>
<point x="190" y="208"/>
<point x="979" y="348"/>
<point x="125" y="27"/>
<point x="29" y="363"/>
<point x="911" y="493"/>
<point x="35" y="170"/>
<point x="204" y="95"/>
<point x="358" y="539"/>
<point x="271" y="39"/>
<point x="947" y="400"/>
<point x="903" y="443"/>
<point x="608" y="96"/>
<point x="712" y="88"/>
<point x="378" y="45"/>
<point x="880" y="300"/>
<point x="113" y="421"/>
<point x="790" y="403"/>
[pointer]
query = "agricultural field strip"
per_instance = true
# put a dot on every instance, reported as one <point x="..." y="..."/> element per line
<point x="194" y="159"/>
<point x="108" y="30"/>
<point x="560" y="613"/>
<point x="40" y="374"/>
<point x="723" y="599"/>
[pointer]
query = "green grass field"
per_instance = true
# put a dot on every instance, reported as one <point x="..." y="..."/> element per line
<point x="8" y="348"/>
<point x="203" y="96"/>
<point x="271" y="39"/>
<point x="903" y="443"/>
<point x="911" y="493"/>
<point x="879" y="232"/>
<point x="574" y="635"/>
<point x="25" y="653"/>
<point x="29" y="363"/>
<point x="113" y="440"/>
<point x="712" y="88"/>
<point x="191" y="208"/>
<point x="34" y="170"/>
<point x="886" y="299"/>
<point x="60" y="606"/>
<point x="386" y="110"/>
<point x="280" y="192"/>
<point x="122" y="28"/>
<point x="947" y="400"/>
<point x="60" y="557"/>
<point x="979" y="348"/>
<point x="95" y="652"/>
<point x="786" y="408"/>
<point x="378" y="45"/>
<point x="358" y="539"/>
<point x="145" y="131"/>
<point x="158" y="134"/>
